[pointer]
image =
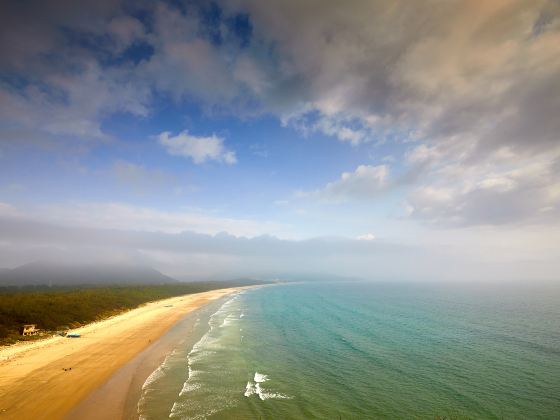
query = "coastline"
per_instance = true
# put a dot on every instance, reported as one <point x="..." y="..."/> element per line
<point x="51" y="378"/>
<point x="118" y="397"/>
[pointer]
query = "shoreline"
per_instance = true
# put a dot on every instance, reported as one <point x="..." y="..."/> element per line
<point x="51" y="378"/>
<point x="118" y="397"/>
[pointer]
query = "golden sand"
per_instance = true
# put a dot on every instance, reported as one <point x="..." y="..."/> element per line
<point x="47" y="378"/>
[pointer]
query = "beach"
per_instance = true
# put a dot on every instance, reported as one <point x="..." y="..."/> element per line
<point x="48" y="378"/>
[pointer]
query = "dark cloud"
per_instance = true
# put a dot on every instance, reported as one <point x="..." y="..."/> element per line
<point x="363" y="69"/>
<point x="468" y="79"/>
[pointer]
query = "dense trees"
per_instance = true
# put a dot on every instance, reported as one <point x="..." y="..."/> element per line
<point x="54" y="308"/>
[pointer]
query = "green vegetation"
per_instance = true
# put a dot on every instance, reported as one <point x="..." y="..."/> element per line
<point x="57" y="307"/>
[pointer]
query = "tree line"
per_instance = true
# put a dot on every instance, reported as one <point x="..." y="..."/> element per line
<point x="56" y="308"/>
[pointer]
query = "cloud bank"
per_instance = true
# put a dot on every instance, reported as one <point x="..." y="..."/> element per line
<point x="195" y="256"/>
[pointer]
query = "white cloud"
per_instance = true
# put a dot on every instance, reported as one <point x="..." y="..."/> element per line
<point x="199" y="149"/>
<point x="366" y="237"/>
<point x="364" y="183"/>
<point x="341" y="130"/>
<point x="422" y="154"/>
<point x="128" y="217"/>
<point x="521" y="192"/>
<point x="498" y="183"/>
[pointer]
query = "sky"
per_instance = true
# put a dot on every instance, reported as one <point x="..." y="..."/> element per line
<point x="389" y="140"/>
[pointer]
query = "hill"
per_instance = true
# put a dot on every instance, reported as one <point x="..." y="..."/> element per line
<point x="51" y="274"/>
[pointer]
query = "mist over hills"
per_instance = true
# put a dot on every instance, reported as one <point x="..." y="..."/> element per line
<point x="55" y="274"/>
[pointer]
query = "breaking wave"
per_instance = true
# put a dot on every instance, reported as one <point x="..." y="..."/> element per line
<point x="255" y="388"/>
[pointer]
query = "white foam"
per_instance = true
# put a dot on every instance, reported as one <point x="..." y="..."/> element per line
<point x="193" y="373"/>
<point x="159" y="371"/>
<point x="199" y="351"/>
<point x="190" y="384"/>
<point x="259" y="377"/>
<point x="258" y="390"/>
<point x="228" y="320"/>
<point x="249" y="389"/>
<point x="255" y="388"/>
<point x="178" y="408"/>
<point x="273" y="396"/>
<point x="189" y="387"/>
<point x="198" y="356"/>
<point x="154" y="376"/>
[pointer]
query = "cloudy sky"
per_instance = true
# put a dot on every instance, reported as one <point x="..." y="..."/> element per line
<point x="382" y="139"/>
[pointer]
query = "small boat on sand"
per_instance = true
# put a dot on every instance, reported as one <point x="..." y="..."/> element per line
<point x="73" y="335"/>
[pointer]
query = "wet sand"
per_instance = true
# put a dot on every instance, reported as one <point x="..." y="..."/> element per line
<point x="118" y="397"/>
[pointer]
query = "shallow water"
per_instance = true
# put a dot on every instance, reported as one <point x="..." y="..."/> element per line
<point x="368" y="350"/>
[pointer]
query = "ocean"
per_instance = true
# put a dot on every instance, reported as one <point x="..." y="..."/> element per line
<point x="366" y="350"/>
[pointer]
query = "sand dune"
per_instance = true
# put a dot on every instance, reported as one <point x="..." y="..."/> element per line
<point x="47" y="378"/>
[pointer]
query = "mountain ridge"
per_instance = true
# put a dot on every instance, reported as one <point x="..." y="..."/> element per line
<point x="55" y="274"/>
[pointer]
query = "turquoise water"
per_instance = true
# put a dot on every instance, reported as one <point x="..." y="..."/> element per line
<point x="368" y="350"/>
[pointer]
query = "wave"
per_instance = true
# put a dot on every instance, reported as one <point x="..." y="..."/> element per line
<point x="154" y="376"/>
<point x="150" y="384"/>
<point x="255" y="388"/>
<point x="228" y="320"/>
<point x="195" y="354"/>
<point x="189" y="388"/>
<point x="159" y="371"/>
<point x="259" y="377"/>
<point x="178" y="409"/>
<point x="200" y="352"/>
<point x="250" y="389"/>
<point x="267" y="395"/>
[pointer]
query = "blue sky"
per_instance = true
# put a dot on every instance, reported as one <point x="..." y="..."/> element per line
<point x="308" y="122"/>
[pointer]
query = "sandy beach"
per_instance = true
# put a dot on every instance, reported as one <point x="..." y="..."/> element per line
<point x="46" y="379"/>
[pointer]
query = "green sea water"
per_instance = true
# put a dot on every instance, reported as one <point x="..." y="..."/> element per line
<point x="367" y="350"/>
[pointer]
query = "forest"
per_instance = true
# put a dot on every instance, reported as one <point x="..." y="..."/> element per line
<point x="56" y="308"/>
